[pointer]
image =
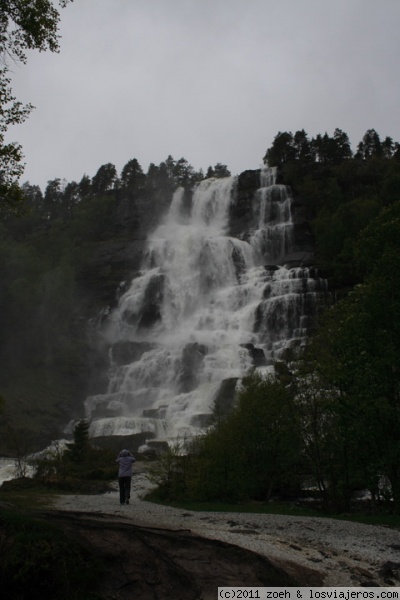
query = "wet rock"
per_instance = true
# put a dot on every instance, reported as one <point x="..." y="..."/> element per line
<point x="225" y="398"/>
<point x="152" y="302"/>
<point x="201" y="420"/>
<point x="116" y="442"/>
<point x="241" y="215"/>
<point x="257" y="354"/>
<point x="154" y="448"/>
<point x="155" y="413"/>
<point x="192" y="359"/>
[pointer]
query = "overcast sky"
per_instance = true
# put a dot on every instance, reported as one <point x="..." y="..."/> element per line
<point x="208" y="80"/>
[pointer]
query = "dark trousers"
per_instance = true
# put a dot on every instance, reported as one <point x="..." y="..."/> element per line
<point x="124" y="489"/>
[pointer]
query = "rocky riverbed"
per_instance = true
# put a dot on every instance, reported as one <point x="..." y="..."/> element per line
<point x="212" y="549"/>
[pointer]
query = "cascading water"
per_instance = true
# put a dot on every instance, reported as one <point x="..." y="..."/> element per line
<point x="271" y="241"/>
<point x="202" y="308"/>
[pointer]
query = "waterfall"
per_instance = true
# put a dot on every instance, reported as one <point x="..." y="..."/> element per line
<point x="271" y="241"/>
<point x="205" y="308"/>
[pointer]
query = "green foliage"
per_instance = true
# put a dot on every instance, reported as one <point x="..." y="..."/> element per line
<point x="326" y="150"/>
<point x="23" y="26"/>
<point x="93" y="219"/>
<point x="262" y="439"/>
<point x="170" y="470"/>
<point x="28" y="25"/>
<point x="371" y="145"/>
<point x="104" y="179"/>
<point x="219" y="170"/>
<point x="251" y="453"/>
<point x="378" y="245"/>
<point x="287" y="148"/>
<point x="80" y="467"/>
<point x="12" y="112"/>
<point x="340" y="193"/>
<point x="38" y="561"/>
<point x="170" y="174"/>
<point x="37" y="305"/>
<point x="354" y="358"/>
<point x="132" y="176"/>
<point x="281" y="151"/>
<point x="337" y="232"/>
<point x="78" y="450"/>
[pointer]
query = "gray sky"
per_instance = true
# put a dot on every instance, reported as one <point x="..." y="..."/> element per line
<point x="208" y="80"/>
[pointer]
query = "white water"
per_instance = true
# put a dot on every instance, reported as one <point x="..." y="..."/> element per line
<point x="9" y="469"/>
<point x="201" y="296"/>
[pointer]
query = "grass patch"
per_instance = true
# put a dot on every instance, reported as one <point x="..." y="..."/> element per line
<point x="31" y="494"/>
<point x="26" y="497"/>
<point x="384" y="520"/>
<point x="34" y="500"/>
<point x="279" y="508"/>
<point x="274" y="508"/>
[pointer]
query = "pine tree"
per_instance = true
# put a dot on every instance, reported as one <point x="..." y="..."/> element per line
<point x="77" y="451"/>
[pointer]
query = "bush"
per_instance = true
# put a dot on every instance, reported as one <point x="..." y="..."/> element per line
<point x="91" y="474"/>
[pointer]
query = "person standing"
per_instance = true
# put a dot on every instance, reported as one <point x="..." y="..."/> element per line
<point x="125" y="460"/>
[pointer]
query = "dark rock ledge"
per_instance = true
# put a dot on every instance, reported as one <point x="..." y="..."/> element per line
<point x="145" y="563"/>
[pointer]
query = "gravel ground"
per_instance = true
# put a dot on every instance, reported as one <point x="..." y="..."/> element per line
<point x="344" y="553"/>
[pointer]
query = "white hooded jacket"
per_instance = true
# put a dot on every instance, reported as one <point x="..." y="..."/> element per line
<point x="125" y="461"/>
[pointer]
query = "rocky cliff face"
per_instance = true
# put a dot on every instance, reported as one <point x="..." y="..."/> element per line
<point x="115" y="259"/>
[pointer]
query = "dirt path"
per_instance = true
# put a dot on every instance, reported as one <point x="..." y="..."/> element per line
<point x="311" y="551"/>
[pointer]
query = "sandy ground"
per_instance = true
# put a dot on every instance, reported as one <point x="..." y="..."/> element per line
<point x="342" y="553"/>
